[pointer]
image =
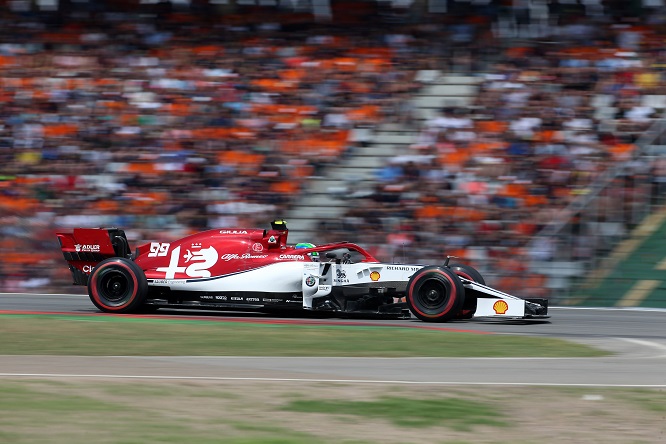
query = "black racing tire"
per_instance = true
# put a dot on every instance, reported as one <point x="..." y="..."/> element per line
<point x="117" y="285"/>
<point x="471" y="273"/>
<point x="435" y="294"/>
<point x="468" y="272"/>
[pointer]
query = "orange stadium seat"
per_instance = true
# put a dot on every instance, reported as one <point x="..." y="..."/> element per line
<point x="364" y="113"/>
<point x="106" y="206"/>
<point x="491" y="126"/>
<point x="246" y="163"/>
<point x="60" y="130"/>
<point x="455" y="157"/>
<point x="622" y="151"/>
<point x="7" y="61"/>
<point x="285" y="187"/>
<point x="535" y="201"/>
<point x="142" y="168"/>
<point x="430" y="211"/>
<point x="18" y="204"/>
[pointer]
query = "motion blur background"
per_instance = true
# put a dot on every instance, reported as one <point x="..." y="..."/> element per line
<point x="525" y="137"/>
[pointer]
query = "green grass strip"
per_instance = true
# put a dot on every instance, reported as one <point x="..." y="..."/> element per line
<point x="100" y="336"/>
<point x="459" y="414"/>
<point x="33" y="412"/>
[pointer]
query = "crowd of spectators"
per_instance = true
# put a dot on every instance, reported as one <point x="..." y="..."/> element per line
<point x="553" y="116"/>
<point x="170" y="123"/>
<point x="165" y="127"/>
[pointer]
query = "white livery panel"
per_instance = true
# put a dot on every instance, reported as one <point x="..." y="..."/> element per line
<point x="280" y="277"/>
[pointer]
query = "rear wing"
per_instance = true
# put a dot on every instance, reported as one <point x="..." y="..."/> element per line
<point x="84" y="248"/>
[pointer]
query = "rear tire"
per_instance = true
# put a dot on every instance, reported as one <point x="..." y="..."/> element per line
<point x="435" y="294"/>
<point x="117" y="285"/>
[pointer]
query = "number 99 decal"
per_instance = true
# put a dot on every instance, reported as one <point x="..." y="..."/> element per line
<point x="158" y="249"/>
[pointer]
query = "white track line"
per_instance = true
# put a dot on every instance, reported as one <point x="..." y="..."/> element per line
<point x="649" y="344"/>
<point x="302" y="380"/>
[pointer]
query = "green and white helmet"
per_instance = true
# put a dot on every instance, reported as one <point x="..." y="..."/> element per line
<point x="302" y="245"/>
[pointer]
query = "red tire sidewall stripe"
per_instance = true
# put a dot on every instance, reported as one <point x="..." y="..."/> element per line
<point x="95" y="294"/>
<point x="465" y="275"/>
<point x="453" y="296"/>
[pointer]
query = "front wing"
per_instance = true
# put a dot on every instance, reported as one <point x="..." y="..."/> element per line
<point x="495" y="303"/>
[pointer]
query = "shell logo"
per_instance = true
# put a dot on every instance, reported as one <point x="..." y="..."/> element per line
<point x="374" y="276"/>
<point x="500" y="307"/>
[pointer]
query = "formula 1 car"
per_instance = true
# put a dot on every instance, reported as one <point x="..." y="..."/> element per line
<point x="256" y="270"/>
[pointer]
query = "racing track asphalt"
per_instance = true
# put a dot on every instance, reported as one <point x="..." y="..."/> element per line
<point x="638" y="337"/>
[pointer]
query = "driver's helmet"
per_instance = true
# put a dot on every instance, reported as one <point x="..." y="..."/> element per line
<point x="314" y="255"/>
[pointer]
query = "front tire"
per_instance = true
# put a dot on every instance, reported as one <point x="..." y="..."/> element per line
<point x="117" y="285"/>
<point x="472" y="274"/>
<point x="468" y="272"/>
<point x="435" y="294"/>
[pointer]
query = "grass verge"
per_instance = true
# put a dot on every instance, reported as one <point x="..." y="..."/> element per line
<point x="111" y="411"/>
<point x="457" y="413"/>
<point x="125" y="336"/>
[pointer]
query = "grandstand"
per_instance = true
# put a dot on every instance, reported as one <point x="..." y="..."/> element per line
<point x="593" y="217"/>
<point x="522" y="149"/>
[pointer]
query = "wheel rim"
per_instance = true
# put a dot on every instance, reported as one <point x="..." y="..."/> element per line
<point x="432" y="295"/>
<point x="115" y="286"/>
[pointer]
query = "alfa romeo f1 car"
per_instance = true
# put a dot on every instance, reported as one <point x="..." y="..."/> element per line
<point x="257" y="270"/>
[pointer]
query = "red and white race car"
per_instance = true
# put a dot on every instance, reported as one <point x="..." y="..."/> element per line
<point x="256" y="270"/>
